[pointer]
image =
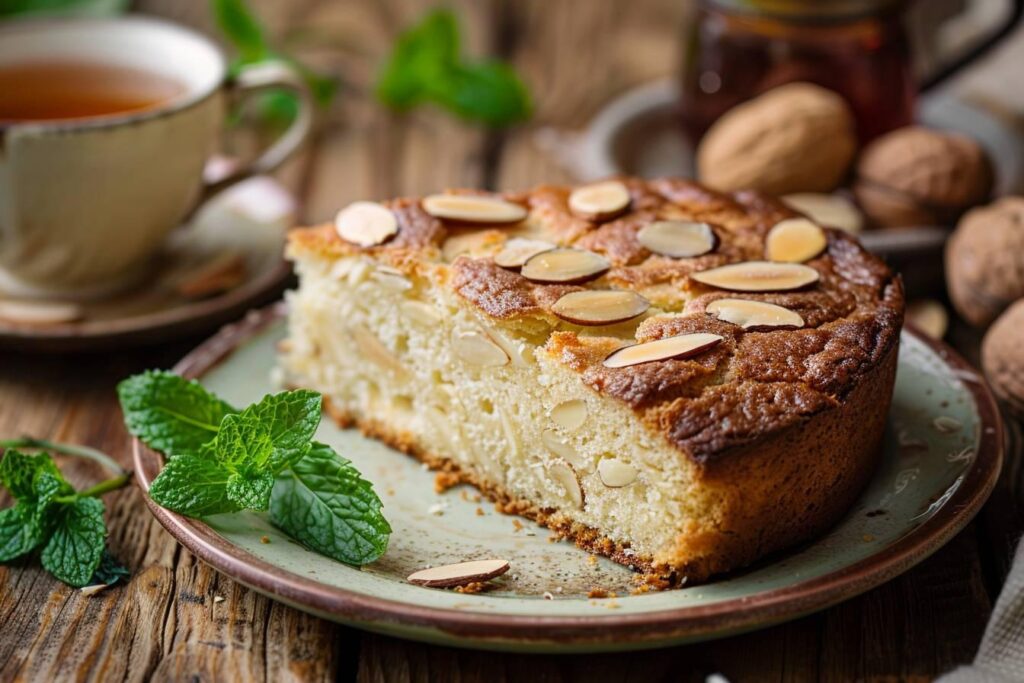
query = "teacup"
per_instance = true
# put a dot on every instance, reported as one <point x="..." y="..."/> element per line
<point x="87" y="199"/>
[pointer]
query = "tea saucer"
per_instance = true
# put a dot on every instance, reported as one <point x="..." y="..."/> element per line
<point x="222" y="263"/>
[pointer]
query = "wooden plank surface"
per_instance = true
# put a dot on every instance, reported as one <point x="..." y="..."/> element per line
<point x="167" y="623"/>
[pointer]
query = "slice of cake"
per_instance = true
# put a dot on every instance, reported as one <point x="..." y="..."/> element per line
<point x="678" y="379"/>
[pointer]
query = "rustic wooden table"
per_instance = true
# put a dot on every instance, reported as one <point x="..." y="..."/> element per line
<point x="165" y="623"/>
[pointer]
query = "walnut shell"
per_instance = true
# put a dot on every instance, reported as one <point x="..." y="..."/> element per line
<point x="1002" y="357"/>
<point x="985" y="260"/>
<point x="795" y="138"/>
<point x="917" y="176"/>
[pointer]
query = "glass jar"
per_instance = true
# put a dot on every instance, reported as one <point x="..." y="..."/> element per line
<point x="738" y="49"/>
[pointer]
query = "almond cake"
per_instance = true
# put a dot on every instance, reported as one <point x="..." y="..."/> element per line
<point x="679" y="379"/>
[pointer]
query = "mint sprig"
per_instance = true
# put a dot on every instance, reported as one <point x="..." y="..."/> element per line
<point x="260" y="458"/>
<point x="427" y="65"/>
<point x="49" y="516"/>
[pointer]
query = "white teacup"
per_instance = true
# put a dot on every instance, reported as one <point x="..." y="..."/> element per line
<point x="85" y="203"/>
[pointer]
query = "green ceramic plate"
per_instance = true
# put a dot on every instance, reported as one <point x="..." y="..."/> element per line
<point x="942" y="456"/>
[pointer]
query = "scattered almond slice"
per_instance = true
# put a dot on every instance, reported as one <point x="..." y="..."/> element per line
<point x="947" y="425"/>
<point x="459" y="574"/>
<point x="39" y="312"/>
<point x="221" y="273"/>
<point x="678" y="239"/>
<point x="758" y="276"/>
<point x="929" y="316"/>
<point x="599" y="201"/>
<point x="519" y="250"/>
<point x="794" y="240"/>
<point x="827" y="209"/>
<point x="469" y="208"/>
<point x="366" y="224"/>
<point x="753" y="314"/>
<point x="681" y="346"/>
<point x="565" y="266"/>
<point x="600" y="306"/>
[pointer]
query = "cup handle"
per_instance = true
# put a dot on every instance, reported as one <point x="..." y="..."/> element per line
<point x="256" y="78"/>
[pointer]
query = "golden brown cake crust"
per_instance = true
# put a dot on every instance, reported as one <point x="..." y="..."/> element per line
<point x="753" y="385"/>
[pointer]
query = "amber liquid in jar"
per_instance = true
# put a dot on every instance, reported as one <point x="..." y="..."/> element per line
<point x="731" y="57"/>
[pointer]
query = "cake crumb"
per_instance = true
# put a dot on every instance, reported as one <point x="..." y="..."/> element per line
<point x="598" y="593"/>
<point x="480" y="512"/>
<point x="437" y="509"/>
<point x="517" y="525"/>
<point x="474" y="587"/>
<point x="548" y="595"/>
<point x="264" y="539"/>
<point x="592" y="560"/>
<point x="444" y="481"/>
<point x="868" y="538"/>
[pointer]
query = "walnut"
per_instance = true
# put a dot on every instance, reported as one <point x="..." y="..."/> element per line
<point x="1002" y="357"/>
<point x="985" y="260"/>
<point x="795" y="138"/>
<point x="917" y="176"/>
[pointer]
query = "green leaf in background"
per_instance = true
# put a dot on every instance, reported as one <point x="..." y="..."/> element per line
<point x="92" y="8"/>
<point x="324" y="503"/>
<point x="170" y="414"/>
<point x="241" y="27"/>
<point x="426" y="65"/>
<point x="79" y="538"/>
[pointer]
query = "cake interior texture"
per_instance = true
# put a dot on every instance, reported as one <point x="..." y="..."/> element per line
<point x="681" y="468"/>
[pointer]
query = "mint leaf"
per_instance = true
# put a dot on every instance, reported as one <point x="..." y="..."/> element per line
<point x="426" y="66"/>
<point x="34" y="481"/>
<point x="193" y="485"/>
<point x="243" y="443"/>
<point x="291" y="419"/>
<point x="19" y="473"/>
<point x="109" y="571"/>
<point x="74" y="550"/>
<point x="324" y="503"/>
<point x="250" y="491"/>
<point x="19" y="532"/>
<point x="170" y="414"/>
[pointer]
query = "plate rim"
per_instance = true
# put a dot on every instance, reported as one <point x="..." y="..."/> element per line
<point x="480" y="629"/>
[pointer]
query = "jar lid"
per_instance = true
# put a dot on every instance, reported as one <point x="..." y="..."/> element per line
<point x="811" y="10"/>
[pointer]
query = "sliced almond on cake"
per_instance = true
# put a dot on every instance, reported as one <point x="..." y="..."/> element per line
<point x="599" y="201"/>
<point x="753" y="314"/>
<point x="469" y="208"/>
<point x="566" y="478"/>
<point x="758" y="276"/>
<point x="459" y="574"/>
<point x="366" y="224"/>
<point x="681" y="346"/>
<point x="615" y="474"/>
<point x="794" y="240"/>
<point x="518" y="251"/>
<point x="570" y="415"/>
<point x="565" y="266"/>
<point x="678" y="239"/>
<point x="600" y="306"/>
<point x="476" y="348"/>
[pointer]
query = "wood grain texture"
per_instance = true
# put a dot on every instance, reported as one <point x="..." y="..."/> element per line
<point x="169" y="622"/>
